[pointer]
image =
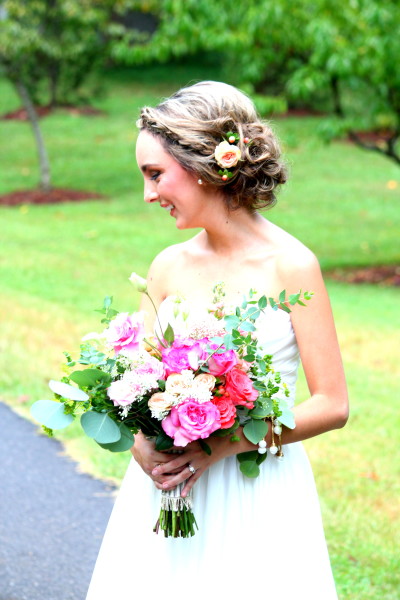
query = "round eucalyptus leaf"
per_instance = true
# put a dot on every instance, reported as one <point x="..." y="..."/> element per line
<point x="287" y="418"/>
<point x="67" y="391"/>
<point x="255" y="430"/>
<point x="250" y="468"/>
<point x="51" y="414"/>
<point x="90" y="377"/>
<point x="100" y="427"/>
<point x="246" y="456"/>
<point x="259" y="412"/>
<point x="124" y="443"/>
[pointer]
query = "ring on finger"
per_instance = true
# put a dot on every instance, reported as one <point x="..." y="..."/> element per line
<point x="191" y="469"/>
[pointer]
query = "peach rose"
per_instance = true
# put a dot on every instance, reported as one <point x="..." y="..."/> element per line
<point x="227" y="155"/>
<point x="176" y="384"/>
<point x="160" y="402"/>
<point x="205" y="379"/>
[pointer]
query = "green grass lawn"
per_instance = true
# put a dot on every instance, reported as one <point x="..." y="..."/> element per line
<point x="58" y="262"/>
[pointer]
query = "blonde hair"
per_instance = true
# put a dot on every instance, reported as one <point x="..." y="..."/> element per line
<point x="193" y="121"/>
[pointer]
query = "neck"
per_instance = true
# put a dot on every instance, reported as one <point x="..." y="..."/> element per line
<point x="231" y="231"/>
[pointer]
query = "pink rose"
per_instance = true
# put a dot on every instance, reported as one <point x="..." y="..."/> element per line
<point x="240" y="388"/>
<point x="183" y="354"/>
<point x="227" y="410"/>
<point x="125" y="333"/>
<point x="126" y="390"/>
<point x="221" y="363"/>
<point x="227" y="155"/>
<point x="148" y="365"/>
<point x="190" y="421"/>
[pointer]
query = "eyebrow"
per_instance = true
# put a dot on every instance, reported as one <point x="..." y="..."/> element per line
<point x="148" y="166"/>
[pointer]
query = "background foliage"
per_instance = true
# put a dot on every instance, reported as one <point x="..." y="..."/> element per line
<point x="57" y="263"/>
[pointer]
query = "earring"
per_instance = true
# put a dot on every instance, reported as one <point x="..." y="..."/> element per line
<point x="200" y="181"/>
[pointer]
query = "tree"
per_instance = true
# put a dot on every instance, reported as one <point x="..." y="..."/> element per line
<point x="339" y="53"/>
<point x="48" y="49"/>
<point x="353" y="52"/>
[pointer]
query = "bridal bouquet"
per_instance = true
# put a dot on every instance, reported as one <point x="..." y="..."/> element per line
<point x="185" y="384"/>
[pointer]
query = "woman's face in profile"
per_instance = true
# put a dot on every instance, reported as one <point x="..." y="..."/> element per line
<point x="167" y="183"/>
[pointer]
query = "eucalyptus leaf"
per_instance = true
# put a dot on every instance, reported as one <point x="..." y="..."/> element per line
<point x="267" y="404"/>
<point x="262" y="302"/>
<point x="243" y="456"/>
<point x="261" y="458"/>
<point x="247" y="326"/>
<point x="107" y="302"/>
<point x="100" y="427"/>
<point x="294" y="298"/>
<point x="287" y="418"/>
<point x="259" y="412"/>
<point x="67" y="391"/>
<point x="273" y="304"/>
<point x="125" y="442"/>
<point x="250" y="468"/>
<point x="205" y="447"/>
<point x="282" y="296"/>
<point x="255" y="430"/>
<point x="90" y="377"/>
<point x="284" y="308"/>
<point x="163" y="442"/>
<point x="51" y="414"/>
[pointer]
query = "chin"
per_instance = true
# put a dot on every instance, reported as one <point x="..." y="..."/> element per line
<point x="180" y="224"/>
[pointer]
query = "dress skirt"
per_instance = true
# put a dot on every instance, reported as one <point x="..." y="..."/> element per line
<point x="258" y="538"/>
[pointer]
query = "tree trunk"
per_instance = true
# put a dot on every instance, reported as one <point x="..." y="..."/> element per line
<point x="337" y="104"/>
<point x="44" y="164"/>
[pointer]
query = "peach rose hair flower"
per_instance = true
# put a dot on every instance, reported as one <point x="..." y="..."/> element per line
<point x="227" y="155"/>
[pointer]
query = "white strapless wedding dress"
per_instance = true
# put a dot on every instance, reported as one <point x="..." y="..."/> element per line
<point x="258" y="538"/>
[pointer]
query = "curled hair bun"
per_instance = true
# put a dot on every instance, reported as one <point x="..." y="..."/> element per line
<point x="192" y="122"/>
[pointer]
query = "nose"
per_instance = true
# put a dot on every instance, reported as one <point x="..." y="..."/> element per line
<point x="150" y="195"/>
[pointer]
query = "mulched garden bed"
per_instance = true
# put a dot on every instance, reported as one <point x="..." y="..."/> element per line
<point x="54" y="196"/>
<point x="372" y="137"/>
<point x="43" y="111"/>
<point x="384" y="275"/>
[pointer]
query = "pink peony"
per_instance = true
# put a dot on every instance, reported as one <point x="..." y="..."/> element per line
<point x="219" y="364"/>
<point x="240" y="388"/>
<point x="226" y="409"/>
<point x="125" y="333"/>
<point x="183" y="354"/>
<point x="190" y="421"/>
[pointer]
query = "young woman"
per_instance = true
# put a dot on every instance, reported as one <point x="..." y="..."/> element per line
<point x="262" y="537"/>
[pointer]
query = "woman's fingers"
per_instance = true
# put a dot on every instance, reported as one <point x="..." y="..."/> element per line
<point x="170" y="466"/>
<point x="174" y="480"/>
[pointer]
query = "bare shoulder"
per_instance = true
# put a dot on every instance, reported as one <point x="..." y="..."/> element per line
<point x="162" y="269"/>
<point x="296" y="265"/>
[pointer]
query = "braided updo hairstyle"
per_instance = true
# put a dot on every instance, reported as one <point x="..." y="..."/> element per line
<point x="193" y="121"/>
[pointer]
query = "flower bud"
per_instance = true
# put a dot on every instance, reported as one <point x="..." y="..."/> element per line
<point x="139" y="283"/>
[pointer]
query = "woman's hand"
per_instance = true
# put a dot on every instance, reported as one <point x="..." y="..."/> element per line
<point x="149" y="458"/>
<point x="199" y="460"/>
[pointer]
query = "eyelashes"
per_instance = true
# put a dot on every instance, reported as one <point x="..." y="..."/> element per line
<point x="155" y="176"/>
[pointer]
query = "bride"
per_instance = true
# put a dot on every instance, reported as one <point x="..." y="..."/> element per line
<point x="210" y="162"/>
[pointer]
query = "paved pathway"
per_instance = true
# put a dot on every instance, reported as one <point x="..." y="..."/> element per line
<point x="52" y="518"/>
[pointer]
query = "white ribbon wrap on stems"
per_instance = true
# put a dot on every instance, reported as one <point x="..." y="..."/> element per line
<point x="172" y="499"/>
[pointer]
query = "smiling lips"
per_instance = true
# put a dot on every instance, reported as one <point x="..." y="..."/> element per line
<point x="167" y="207"/>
